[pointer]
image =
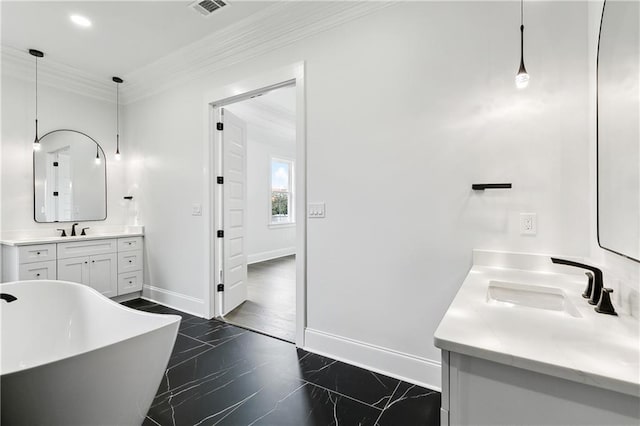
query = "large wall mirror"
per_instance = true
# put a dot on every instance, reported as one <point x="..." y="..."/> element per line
<point x="619" y="128"/>
<point x="69" y="178"/>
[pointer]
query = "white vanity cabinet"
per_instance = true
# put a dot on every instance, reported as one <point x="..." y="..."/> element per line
<point x="130" y="264"/>
<point x="98" y="271"/>
<point x="113" y="266"/>
<point x="32" y="262"/>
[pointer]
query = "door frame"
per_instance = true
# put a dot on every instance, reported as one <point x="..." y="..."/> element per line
<point x="214" y="99"/>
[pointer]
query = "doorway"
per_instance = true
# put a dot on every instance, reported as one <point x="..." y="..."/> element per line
<point x="259" y="212"/>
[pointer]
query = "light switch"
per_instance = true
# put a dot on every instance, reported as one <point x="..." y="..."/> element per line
<point x="315" y="210"/>
<point x="196" y="210"/>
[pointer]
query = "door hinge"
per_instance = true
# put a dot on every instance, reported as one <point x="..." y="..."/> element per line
<point x="55" y="193"/>
<point x="220" y="180"/>
<point x="55" y="164"/>
<point x="220" y="287"/>
<point x="220" y="234"/>
<point x="219" y="126"/>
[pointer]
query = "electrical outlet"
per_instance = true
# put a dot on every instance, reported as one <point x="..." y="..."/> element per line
<point x="196" y="210"/>
<point x="528" y="224"/>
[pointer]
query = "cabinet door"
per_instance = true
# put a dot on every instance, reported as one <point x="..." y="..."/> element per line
<point x="104" y="274"/>
<point x="38" y="271"/>
<point x="75" y="269"/>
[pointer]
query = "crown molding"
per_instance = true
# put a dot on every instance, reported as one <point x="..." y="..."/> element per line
<point x="272" y="28"/>
<point x="19" y="64"/>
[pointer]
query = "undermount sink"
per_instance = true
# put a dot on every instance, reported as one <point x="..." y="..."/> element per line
<point x="532" y="296"/>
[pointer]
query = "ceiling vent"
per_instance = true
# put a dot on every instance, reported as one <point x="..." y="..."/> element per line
<point x="207" y="7"/>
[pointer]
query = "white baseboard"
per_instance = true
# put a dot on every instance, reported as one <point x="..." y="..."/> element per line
<point x="409" y="368"/>
<point x="268" y="255"/>
<point x="174" y="300"/>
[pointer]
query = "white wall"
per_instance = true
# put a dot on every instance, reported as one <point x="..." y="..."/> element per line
<point x="57" y="109"/>
<point x="406" y="109"/>
<point x="263" y="240"/>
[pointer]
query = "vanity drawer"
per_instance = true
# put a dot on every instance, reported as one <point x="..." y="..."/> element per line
<point x="37" y="253"/>
<point x="38" y="271"/>
<point x="86" y="248"/>
<point x="129" y="244"/>
<point x="130" y="261"/>
<point x="129" y="282"/>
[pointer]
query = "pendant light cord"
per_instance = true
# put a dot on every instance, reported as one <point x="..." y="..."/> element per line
<point x="37" y="139"/>
<point x="117" y="118"/>
<point x="521" y="33"/>
<point x="36" y="88"/>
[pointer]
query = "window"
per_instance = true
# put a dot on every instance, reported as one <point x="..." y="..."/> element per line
<point x="281" y="192"/>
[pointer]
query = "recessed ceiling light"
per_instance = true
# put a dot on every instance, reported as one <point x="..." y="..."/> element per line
<point x="80" y="21"/>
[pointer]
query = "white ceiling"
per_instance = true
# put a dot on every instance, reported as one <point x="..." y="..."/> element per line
<point x="273" y="114"/>
<point x="124" y="36"/>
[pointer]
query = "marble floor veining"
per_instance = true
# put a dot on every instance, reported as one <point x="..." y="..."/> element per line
<point x="220" y="374"/>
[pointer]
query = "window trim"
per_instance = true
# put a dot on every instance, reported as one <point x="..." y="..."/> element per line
<point x="292" y="197"/>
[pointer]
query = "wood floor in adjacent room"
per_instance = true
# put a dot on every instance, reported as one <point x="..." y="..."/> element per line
<point x="271" y="303"/>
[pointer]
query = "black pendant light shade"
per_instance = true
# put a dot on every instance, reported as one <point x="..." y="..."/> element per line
<point x="37" y="54"/>
<point x="117" y="80"/>
<point x="522" y="78"/>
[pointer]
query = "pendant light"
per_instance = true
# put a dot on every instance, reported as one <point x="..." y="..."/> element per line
<point x="98" y="160"/>
<point x="37" y="54"/>
<point x="117" y="80"/>
<point x="522" y="78"/>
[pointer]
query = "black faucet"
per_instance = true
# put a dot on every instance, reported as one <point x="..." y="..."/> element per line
<point x="8" y="297"/>
<point x="73" y="229"/>
<point x="596" y="289"/>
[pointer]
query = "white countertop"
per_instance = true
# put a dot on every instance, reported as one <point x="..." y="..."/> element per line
<point x="594" y="349"/>
<point x="23" y="238"/>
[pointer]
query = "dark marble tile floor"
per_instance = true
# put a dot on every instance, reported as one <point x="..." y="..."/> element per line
<point x="220" y="374"/>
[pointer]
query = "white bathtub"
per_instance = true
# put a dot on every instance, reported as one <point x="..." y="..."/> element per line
<point x="70" y="356"/>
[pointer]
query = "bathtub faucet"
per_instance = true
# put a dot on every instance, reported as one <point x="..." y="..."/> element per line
<point x="8" y="297"/>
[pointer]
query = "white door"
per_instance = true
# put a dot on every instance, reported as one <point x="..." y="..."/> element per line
<point x="234" y="165"/>
<point x="75" y="270"/>
<point x="104" y="274"/>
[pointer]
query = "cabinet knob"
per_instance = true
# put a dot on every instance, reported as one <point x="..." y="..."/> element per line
<point x="37" y="275"/>
<point x="130" y="261"/>
<point x="37" y="252"/>
<point x="93" y="261"/>
<point x="86" y="261"/>
<point x="130" y="282"/>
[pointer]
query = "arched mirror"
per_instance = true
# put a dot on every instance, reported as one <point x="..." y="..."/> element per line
<point x="619" y="129"/>
<point x="69" y="178"/>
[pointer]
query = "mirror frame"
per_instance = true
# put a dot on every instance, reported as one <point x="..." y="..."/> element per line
<point x="33" y="168"/>
<point x="604" y="6"/>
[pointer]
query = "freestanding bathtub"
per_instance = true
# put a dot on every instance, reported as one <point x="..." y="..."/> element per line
<point x="70" y="356"/>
